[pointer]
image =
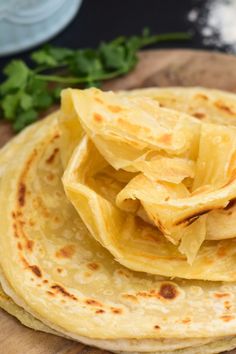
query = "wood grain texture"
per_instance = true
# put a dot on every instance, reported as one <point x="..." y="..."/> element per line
<point x="155" y="68"/>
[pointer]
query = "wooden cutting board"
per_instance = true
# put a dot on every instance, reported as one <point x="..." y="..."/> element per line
<point x="155" y="68"/>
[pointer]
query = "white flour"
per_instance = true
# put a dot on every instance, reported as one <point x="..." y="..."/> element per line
<point x="216" y="22"/>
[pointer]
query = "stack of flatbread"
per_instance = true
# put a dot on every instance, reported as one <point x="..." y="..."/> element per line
<point x="118" y="221"/>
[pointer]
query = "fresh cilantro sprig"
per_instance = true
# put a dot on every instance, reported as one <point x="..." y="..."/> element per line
<point x="26" y="91"/>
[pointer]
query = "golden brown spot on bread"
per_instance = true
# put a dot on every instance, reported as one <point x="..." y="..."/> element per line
<point x="18" y="229"/>
<point x="26" y="169"/>
<point x="39" y="204"/>
<point x="202" y="96"/>
<point x="98" y="100"/>
<point x="100" y="311"/>
<point x="31" y="222"/>
<point x="55" y="136"/>
<point x="222" y="251"/>
<point x="36" y="270"/>
<point x="131" y="127"/>
<point x="50" y="293"/>
<point x="166" y="139"/>
<point x="168" y="291"/>
<point x="64" y="292"/>
<point x="87" y="274"/>
<point x="93" y="302"/>
<point x="157" y="327"/>
<point x="186" y="320"/>
<point x="115" y="109"/>
<point x="56" y="219"/>
<point x="29" y="245"/>
<point x="227" y="305"/>
<point x="222" y="106"/>
<point x="24" y="261"/>
<point x="59" y="270"/>
<point x="19" y="246"/>
<point x="130" y="297"/>
<point x="45" y="281"/>
<point x="145" y="294"/>
<point x="66" y="251"/>
<point x="50" y="176"/>
<point x="51" y="158"/>
<point x="227" y="318"/>
<point x="116" y="310"/>
<point x="15" y="231"/>
<point x="97" y="117"/>
<point x="93" y="266"/>
<point x="199" y="115"/>
<point x="221" y="295"/>
<point x="21" y="194"/>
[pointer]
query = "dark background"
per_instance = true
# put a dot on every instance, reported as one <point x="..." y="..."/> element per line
<point x="99" y="20"/>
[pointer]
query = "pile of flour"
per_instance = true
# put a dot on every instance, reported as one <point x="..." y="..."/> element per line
<point x="216" y="22"/>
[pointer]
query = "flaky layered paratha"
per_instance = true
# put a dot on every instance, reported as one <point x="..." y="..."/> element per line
<point x="113" y="169"/>
<point x="207" y="105"/>
<point x="53" y="268"/>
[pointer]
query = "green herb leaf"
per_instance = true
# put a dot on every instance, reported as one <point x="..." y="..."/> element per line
<point x="26" y="101"/>
<point x="113" y="55"/>
<point x="43" y="100"/>
<point x="9" y="105"/>
<point x="51" y="56"/>
<point x="86" y="63"/>
<point x="41" y="57"/>
<point x="17" y="73"/>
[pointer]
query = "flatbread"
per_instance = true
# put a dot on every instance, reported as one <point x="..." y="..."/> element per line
<point x="57" y="272"/>
<point x="104" y="182"/>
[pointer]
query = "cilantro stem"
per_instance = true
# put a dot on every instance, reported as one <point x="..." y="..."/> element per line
<point x="80" y="80"/>
<point x="61" y="79"/>
<point x="45" y="67"/>
<point x="164" y="38"/>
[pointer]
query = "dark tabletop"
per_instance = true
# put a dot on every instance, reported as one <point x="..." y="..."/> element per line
<point x="99" y="20"/>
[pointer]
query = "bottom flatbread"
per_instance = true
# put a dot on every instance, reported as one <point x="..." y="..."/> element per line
<point x="194" y="346"/>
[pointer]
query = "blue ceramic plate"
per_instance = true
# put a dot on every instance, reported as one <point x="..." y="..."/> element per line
<point x="27" y="23"/>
